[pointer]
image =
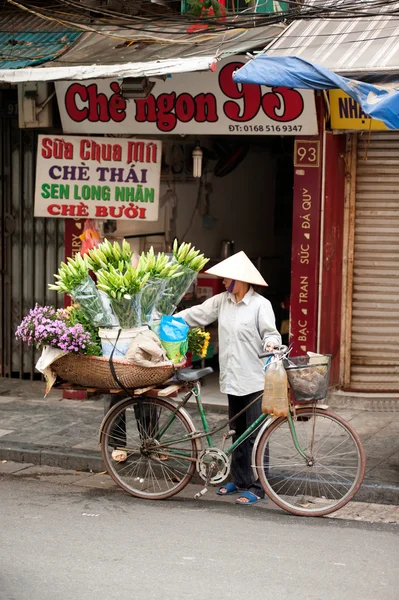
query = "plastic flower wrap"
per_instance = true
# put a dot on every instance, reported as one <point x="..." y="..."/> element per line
<point x="73" y="279"/>
<point x="191" y="262"/>
<point x="43" y="326"/>
<point x="198" y="342"/>
<point x="161" y="271"/>
<point x="124" y="290"/>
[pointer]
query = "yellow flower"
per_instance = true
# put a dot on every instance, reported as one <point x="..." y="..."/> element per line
<point x="205" y="348"/>
<point x="198" y="341"/>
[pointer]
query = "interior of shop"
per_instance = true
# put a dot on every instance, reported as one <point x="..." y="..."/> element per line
<point x="243" y="201"/>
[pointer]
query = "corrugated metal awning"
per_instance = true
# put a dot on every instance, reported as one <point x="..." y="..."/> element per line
<point x="26" y="40"/>
<point x="114" y="52"/>
<point x="349" y="46"/>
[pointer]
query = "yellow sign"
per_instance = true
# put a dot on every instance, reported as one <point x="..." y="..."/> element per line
<point x="346" y="113"/>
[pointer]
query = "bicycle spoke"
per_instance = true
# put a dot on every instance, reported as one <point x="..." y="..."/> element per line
<point x="152" y="469"/>
<point x="333" y="471"/>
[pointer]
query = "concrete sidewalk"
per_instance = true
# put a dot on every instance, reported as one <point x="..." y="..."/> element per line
<point x="63" y="433"/>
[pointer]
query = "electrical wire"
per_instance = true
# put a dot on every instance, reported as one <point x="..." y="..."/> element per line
<point x="309" y="10"/>
<point x="117" y="25"/>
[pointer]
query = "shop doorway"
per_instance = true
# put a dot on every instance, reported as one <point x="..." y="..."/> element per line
<point x="247" y="202"/>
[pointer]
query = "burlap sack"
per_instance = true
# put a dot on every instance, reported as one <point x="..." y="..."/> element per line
<point x="146" y="350"/>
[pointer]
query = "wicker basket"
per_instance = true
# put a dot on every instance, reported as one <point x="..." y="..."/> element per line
<point x="308" y="377"/>
<point x="95" y="371"/>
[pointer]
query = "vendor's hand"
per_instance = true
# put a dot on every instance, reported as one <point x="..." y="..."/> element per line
<point x="269" y="347"/>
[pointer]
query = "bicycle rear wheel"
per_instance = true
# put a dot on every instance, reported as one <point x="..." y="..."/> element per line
<point x="160" y="461"/>
<point x="326" y="481"/>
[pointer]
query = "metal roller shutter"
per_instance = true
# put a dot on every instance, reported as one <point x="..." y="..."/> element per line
<point x="375" y="317"/>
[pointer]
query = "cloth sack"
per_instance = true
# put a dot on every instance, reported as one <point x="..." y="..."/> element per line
<point x="147" y="351"/>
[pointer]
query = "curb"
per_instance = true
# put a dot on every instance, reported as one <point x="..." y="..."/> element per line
<point x="85" y="460"/>
<point x="363" y="401"/>
<point x="65" y="458"/>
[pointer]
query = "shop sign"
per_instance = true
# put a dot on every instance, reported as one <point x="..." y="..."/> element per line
<point x="193" y="103"/>
<point x="347" y="114"/>
<point x="305" y="244"/>
<point x="99" y="178"/>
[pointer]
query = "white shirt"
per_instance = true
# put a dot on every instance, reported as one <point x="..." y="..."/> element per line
<point x="244" y="330"/>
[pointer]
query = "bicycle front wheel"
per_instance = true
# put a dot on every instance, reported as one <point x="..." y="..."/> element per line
<point x="158" y="456"/>
<point x="327" y="479"/>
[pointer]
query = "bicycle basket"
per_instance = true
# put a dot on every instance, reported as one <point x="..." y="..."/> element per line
<point x="308" y="377"/>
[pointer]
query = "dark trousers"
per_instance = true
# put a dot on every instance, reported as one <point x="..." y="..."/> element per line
<point x="241" y="470"/>
<point x="146" y="419"/>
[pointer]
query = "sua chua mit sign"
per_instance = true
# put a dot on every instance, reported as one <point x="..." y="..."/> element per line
<point x="98" y="178"/>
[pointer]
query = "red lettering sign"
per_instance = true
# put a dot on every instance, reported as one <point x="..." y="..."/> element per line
<point x="96" y="106"/>
<point x="305" y="245"/>
<point x="244" y="103"/>
<point x="251" y="95"/>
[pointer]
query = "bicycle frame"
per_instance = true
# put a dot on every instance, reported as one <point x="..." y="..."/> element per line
<point x="196" y="392"/>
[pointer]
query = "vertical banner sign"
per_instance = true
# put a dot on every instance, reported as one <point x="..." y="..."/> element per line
<point x="305" y="244"/>
<point x="98" y="178"/>
<point x="72" y="243"/>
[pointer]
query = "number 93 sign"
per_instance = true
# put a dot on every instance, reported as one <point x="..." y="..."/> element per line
<point x="307" y="153"/>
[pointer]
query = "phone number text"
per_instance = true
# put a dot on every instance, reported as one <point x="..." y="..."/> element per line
<point x="265" y="128"/>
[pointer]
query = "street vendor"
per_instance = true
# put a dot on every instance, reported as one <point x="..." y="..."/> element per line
<point x="247" y="327"/>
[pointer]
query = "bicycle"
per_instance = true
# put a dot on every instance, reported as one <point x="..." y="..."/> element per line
<point x="310" y="463"/>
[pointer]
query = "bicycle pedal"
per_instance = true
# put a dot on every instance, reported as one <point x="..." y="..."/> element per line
<point x="201" y="493"/>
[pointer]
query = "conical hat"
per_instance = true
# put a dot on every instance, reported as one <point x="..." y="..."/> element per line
<point x="238" y="267"/>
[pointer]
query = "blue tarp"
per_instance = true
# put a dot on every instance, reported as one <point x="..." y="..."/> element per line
<point x="293" y="72"/>
<point x="20" y="49"/>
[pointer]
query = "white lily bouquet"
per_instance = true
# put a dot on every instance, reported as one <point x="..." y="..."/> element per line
<point x="190" y="262"/>
<point x="125" y="295"/>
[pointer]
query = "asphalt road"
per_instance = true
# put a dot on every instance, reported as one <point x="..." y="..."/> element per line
<point x="60" y="542"/>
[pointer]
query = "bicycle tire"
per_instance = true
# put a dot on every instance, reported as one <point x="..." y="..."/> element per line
<point x="272" y="482"/>
<point x="118" y="470"/>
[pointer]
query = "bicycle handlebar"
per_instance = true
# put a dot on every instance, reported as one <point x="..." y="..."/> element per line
<point x="266" y="354"/>
<point x="278" y="350"/>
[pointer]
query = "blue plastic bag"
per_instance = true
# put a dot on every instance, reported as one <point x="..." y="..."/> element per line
<point x="173" y="335"/>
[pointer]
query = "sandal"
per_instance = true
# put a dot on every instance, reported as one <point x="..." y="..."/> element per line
<point x="250" y="496"/>
<point x="230" y="488"/>
<point x="119" y="455"/>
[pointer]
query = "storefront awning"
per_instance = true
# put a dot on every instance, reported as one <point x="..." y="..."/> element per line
<point x="26" y="40"/>
<point x="317" y="53"/>
<point x="353" y="47"/>
<point x="114" y="52"/>
<point x="378" y="102"/>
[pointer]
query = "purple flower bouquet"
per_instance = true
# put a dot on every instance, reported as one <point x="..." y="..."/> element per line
<point x="44" y="326"/>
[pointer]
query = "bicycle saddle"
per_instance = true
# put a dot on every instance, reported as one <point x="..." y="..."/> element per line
<point x="190" y="375"/>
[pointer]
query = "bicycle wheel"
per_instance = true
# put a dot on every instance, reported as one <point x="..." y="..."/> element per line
<point x="158" y="465"/>
<point x="332" y="473"/>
